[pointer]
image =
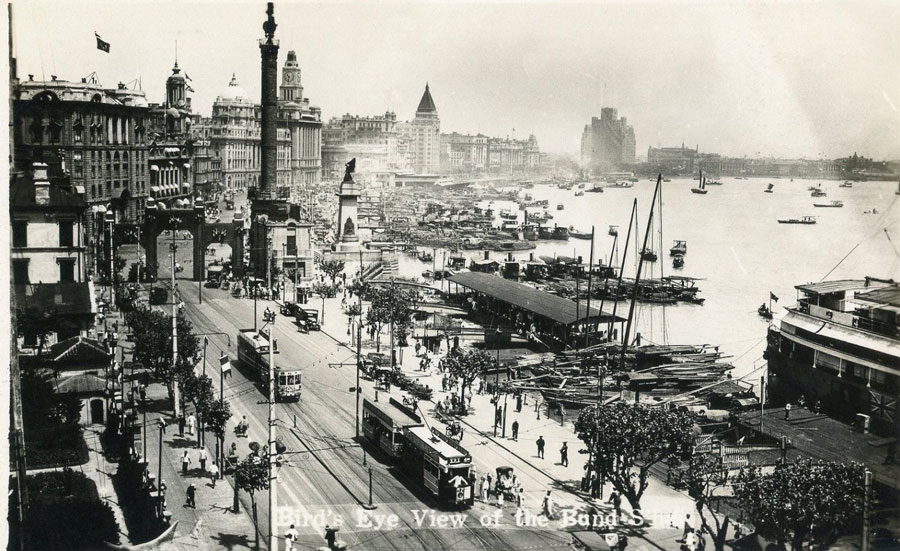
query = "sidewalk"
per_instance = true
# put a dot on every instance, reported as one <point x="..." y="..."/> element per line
<point x="224" y="528"/>
<point x="664" y="507"/>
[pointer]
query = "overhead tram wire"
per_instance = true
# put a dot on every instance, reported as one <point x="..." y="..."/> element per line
<point x="861" y="241"/>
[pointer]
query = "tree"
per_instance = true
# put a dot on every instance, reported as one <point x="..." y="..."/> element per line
<point x="39" y="323"/>
<point x="323" y="290"/>
<point x="466" y="366"/>
<point x="252" y="475"/>
<point x="153" y="347"/>
<point x="702" y="475"/>
<point x="332" y="268"/>
<point x="216" y="417"/>
<point x="390" y="305"/>
<point x="626" y="440"/>
<point x="806" y="499"/>
<point x="199" y="390"/>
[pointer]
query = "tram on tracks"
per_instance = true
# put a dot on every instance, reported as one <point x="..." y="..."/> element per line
<point x="440" y="464"/>
<point x="253" y="355"/>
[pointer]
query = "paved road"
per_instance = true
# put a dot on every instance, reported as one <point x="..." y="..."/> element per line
<point x="324" y="476"/>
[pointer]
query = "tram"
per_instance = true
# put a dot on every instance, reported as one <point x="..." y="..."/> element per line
<point x="253" y="355"/>
<point x="440" y="464"/>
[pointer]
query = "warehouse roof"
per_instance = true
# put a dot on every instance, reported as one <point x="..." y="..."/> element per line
<point x="558" y="309"/>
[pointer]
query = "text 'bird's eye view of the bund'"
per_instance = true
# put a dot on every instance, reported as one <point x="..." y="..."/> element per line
<point x="453" y="276"/>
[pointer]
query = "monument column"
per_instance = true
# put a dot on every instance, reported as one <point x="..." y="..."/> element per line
<point x="347" y="236"/>
<point x="268" y="48"/>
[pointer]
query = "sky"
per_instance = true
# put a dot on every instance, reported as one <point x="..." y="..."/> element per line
<point x="784" y="79"/>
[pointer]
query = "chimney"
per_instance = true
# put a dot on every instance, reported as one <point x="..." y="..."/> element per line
<point x="487" y="255"/>
<point x="41" y="184"/>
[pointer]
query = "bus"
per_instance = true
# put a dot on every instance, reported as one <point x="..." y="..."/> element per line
<point x="440" y="464"/>
<point x="253" y="355"/>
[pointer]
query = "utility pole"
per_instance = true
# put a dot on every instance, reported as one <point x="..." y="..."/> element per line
<point x="220" y="442"/>
<point x="18" y="425"/>
<point x="867" y="510"/>
<point x="175" y="393"/>
<point x="358" y="339"/>
<point x="587" y="331"/>
<point x="273" y="539"/>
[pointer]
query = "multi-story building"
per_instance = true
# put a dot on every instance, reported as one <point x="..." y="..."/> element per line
<point x="423" y="134"/>
<point x="171" y="145"/>
<point x="234" y="134"/>
<point x="101" y="134"/>
<point x="478" y="153"/>
<point x="840" y="346"/>
<point x="672" y="160"/>
<point x="304" y="122"/>
<point x="206" y="164"/>
<point x="48" y="253"/>
<point x="607" y="143"/>
<point x="375" y="143"/>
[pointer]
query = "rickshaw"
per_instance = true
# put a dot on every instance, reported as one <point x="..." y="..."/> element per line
<point x="455" y="430"/>
<point x="504" y="482"/>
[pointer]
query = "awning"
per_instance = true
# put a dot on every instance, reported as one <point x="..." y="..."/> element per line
<point x="79" y="190"/>
<point x="154" y="189"/>
<point x="154" y="168"/>
<point x="187" y="165"/>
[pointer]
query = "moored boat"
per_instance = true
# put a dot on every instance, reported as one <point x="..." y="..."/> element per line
<point x="803" y="220"/>
<point x="613" y="230"/>
<point x="578" y="234"/>
<point x="770" y="188"/>
<point x="702" y="187"/>
<point x="679" y="248"/>
<point x="833" y="204"/>
<point x="648" y="255"/>
<point x="678" y="261"/>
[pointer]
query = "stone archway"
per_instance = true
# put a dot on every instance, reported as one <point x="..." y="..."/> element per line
<point x="194" y="221"/>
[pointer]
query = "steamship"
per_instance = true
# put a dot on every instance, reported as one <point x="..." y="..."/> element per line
<point x="839" y="346"/>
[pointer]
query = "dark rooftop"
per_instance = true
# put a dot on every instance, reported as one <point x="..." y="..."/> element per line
<point x="61" y="298"/>
<point x="885" y="295"/>
<point x="426" y="104"/>
<point x="21" y="195"/>
<point x="561" y="310"/>
<point x="836" y="286"/>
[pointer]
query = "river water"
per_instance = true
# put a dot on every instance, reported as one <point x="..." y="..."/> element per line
<point x="735" y="248"/>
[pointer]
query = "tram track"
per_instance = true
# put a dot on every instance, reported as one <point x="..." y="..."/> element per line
<point x="344" y="472"/>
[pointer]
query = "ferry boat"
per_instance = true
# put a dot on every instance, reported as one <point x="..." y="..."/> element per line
<point x="622" y="184"/>
<point x="530" y="233"/>
<point x="818" y="193"/>
<point x="540" y="216"/>
<point x="840" y="346"/>
<point x="509" y="215"/>
<point x="579" y="234"/>
<point x="561" y="233"/>
<point x="833" y="204"/>
<point x="803" y="220"/>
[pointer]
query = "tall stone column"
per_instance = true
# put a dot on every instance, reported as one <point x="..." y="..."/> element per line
<point x="269" y="132"/>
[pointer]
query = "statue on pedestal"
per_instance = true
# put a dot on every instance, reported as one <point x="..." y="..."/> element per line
<point x="351" y="168"/>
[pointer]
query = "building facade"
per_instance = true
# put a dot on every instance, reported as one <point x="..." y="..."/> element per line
<point x="48" y="253"/>
<point x="607" y="143"/>
<point x="375" y="142"/>
<point x="672" y="160"/>
<point x="171" y="145"/>
<point x="423" y="134"/>
<point x="234" y="135"/>
<point x="100" y="134"/>
<point x="304" y="123"/>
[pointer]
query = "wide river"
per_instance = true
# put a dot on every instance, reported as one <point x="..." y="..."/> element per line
<point x="736" y="249"/>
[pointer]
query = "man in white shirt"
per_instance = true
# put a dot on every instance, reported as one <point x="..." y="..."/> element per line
<point x="290" y="536"/>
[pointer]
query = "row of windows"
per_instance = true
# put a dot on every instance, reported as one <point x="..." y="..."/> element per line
<point x="66" y="234"/>
<point x="114" y="130"/>
<point x="20" y="271"/>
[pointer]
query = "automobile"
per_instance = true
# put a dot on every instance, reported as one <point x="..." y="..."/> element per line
<point x="311" y="317"/>
<point x="289" y="309"/>
<point x="159" y="295"/>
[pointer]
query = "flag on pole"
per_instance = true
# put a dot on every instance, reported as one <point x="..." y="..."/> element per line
<point x="772" y="296"/>
<point x="188" y="86"/>
<point x="187" y="77"/>
<point x="226" y="365"/>
<point x="101" y="44"/>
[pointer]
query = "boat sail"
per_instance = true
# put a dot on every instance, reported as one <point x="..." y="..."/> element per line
<point x="702" y="189"/>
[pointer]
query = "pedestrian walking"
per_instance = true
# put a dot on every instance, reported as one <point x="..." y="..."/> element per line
<point x="331" y="537"/>
<point x="290" y="537"/>
<point x="787" y="411"/>
<point x="595" y="485"/>
<point x="564" y="455"/>
<point x="586" y="477"/>
<point x="616" y="501"/>
<point x="518" y="402"/>
<point x="540" y="447"/>
<point x="191" y="496"/>
<point x="547" y="506"/>
<point x="213" y="474"/>
<point x="485" y="486"/>
<point x="185" y="462"/>
<point x="515" y="429"/>
<point x="191" y="423"/>
<point x="202" y="459"/>
<point x="688" y="527"/>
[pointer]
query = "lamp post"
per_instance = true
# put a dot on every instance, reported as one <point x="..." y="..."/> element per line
<point x="497" y="381"/>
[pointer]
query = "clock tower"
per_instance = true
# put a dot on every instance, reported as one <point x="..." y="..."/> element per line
<point x="291" y="89"/>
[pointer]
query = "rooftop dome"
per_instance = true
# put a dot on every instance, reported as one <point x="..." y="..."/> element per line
<point x="176" y="73"/>
<point x="233" y="91"/>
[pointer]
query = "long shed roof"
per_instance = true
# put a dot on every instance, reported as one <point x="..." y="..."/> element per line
<point x="561" y="310"/>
